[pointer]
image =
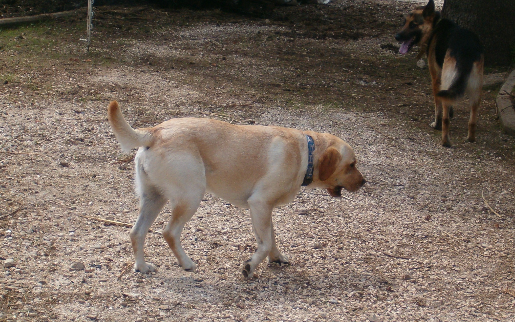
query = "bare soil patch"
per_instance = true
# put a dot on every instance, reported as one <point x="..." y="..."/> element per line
<point x="429" y="238"/>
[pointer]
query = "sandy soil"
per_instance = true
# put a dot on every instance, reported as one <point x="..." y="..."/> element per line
<point x="429" y="238"/>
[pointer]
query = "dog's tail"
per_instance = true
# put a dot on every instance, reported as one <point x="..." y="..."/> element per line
<point x="127" y="136"/>
<point x="467" y="52"/>
<point x="458" y="86"/>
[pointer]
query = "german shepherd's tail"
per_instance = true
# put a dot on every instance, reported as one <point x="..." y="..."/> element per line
<point x="128" y="137"/>
<point x="466" y="49"/>
<point x="458" y="86"/>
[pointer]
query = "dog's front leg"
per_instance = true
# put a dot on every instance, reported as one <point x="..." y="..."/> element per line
<point x="261" y="215"/>
<point x="437" y="124"/>
<point x="275" y="256"/>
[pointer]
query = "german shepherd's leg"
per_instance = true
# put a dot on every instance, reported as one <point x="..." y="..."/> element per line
<point x="435" y="79"/>
<point x="437" y="124"/>
<point x="473" y="121"/>
<point x="445" y="125"/>
<point x="476" y="83"/>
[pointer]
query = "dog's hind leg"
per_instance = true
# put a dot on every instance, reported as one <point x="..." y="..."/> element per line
<point x="475" y="84"/>
<point x="184" y="208"/>
<point x="473" y="120"/>
<point x="445" y="125"/>
<point x="261" y="214"/>
<point x="151" y="203"/>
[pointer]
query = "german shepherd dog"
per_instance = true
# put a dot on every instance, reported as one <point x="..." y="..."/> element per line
<point x="455" y="58"/>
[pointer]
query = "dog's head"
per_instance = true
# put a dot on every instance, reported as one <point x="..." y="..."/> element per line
<point x="337" y="170"/>
<point x="417" y="27"/>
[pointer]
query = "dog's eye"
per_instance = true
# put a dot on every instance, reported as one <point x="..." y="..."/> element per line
<point x="413" y="25"/>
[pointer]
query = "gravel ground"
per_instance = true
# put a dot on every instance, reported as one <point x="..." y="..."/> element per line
<point x="430" y="237"/>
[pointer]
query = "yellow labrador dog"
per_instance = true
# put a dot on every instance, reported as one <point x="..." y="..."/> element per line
<point x="250" y="166"/>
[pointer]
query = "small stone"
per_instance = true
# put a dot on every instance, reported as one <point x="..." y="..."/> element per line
<point x="9" y="263"/>
<point x="374" y="318"/>
<point x="421" y="64"/>
<point x="78" y="266"/>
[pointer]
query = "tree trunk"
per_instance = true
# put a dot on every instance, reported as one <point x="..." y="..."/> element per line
<point x="493" y="21"/>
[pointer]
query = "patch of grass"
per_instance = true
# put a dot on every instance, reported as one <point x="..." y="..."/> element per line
<point x="8" y="78"/>
<point x="493" y="87"/>
<point x="45" y="40"/>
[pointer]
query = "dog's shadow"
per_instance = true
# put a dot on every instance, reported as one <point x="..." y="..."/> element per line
<point x="286" y="284"/>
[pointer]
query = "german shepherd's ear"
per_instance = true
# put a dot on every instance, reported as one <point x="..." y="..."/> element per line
<point x="429" y="10"/>
<point x="328" y="163"/>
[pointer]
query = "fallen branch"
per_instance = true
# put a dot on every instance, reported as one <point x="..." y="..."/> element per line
<point x="509" y="94"/>
<point x="45" y="16"/>
<point x="395" y="256"/>
<point x="125" y="269"/>
<point x="126" y="159"/>
<point x="11" y="213"/>
<point x="486" y="203"/>
<point x="26" y="153"/>
<point x="110" y="222"/>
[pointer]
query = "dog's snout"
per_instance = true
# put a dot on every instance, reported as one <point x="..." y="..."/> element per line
<point x="398" y="37"/>
<point x="363" y="181"/>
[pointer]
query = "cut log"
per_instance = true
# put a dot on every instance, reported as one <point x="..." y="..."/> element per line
<point x="41" y="17"/>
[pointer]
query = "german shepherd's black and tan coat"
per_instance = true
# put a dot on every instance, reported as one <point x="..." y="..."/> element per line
<point x="455" y="60"/>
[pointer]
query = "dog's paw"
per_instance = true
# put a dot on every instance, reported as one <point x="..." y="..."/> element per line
<point x="446" y="143"/>
<point x="246" y="270"/>
<point x="436" y="125"/>
<point x="189" y="266"/>
<point x="144" y="268"/>
<point x="281" y="260"/>
<point x="471" y="139"/>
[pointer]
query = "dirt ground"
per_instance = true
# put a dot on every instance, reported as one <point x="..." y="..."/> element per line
<point x="429" y="238"/>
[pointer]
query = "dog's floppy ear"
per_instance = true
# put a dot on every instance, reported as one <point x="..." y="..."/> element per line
<point x="429" y="10"/>
<point x="328" y="163"/>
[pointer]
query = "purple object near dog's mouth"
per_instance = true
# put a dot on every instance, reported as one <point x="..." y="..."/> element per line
<point x="406" y="46"/>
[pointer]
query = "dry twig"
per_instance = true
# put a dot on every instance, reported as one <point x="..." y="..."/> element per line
<point x="126" y="159"/>
<point x="486" y="203"/>
<point x="395" y="256"/>
<point x="11" y="213"/>
<point x="509" y="292"/>
<point x="125" y="269"/>
<point x="110" y="222"/>
<point x="26" y="153"/>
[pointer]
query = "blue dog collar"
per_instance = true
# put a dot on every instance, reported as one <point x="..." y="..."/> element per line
<point x="308" y="178"/>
